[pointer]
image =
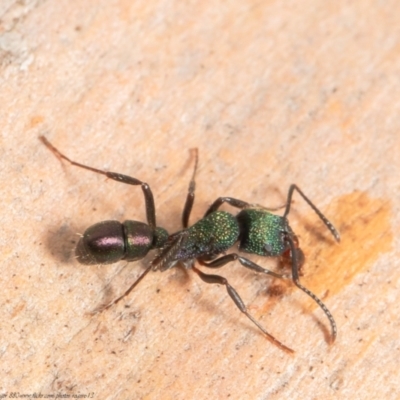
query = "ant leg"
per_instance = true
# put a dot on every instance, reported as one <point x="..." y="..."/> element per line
<point x="286" y="260"/>
<point x="159" y="263"/>
<point x="286" y="256"/>
<point x="238" y="204"/>
<point x="144" y="273"/>
<point x="296" y="281"/>
<point x="220" y="262"/>
<point x="230" y="200"/>
<point x="239" y="304"/>
<point x="325" y="220"/>
<point x="187" y="209"/>
<point x="148" y="195"/>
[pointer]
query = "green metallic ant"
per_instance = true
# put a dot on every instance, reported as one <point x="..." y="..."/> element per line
<point x="254" y="228"/>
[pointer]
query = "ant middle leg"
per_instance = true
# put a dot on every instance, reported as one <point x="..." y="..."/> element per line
<point x="221" y="261"/>
<point x="148" y="194"/>
<point x="230" y="200"/>
<point x="240" y="204"/>
<point x="239" y="304"/>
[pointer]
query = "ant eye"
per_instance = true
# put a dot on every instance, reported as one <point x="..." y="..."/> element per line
<point x="268" y="248"/>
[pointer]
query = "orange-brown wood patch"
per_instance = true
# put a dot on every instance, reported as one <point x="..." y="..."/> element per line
<point x="364" y="225"/>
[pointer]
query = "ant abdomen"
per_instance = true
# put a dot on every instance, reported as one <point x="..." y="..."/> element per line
<point x="110" y="241"/>
<point x="102" y="243"/>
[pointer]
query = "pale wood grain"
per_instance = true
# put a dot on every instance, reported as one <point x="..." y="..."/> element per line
<point x="271" y="93"/>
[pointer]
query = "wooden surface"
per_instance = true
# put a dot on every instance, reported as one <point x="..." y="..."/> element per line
<point x="271" y="93"/>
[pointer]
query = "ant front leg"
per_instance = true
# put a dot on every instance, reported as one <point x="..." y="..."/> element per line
<point x="220" y="262"/>
<point x="239" y="304"/>
<point x="148" y="195"/>
<point x="286" y="257"/>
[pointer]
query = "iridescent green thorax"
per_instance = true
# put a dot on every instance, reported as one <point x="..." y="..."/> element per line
<point x="210" y="236"/>
<point x="262" y="233"/>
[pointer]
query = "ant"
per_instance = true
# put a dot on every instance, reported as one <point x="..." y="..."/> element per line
<point x="257" y="230"/>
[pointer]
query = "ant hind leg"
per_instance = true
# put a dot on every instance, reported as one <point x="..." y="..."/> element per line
<point x="239" y="304"/>
<point x="148" y="194"/>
